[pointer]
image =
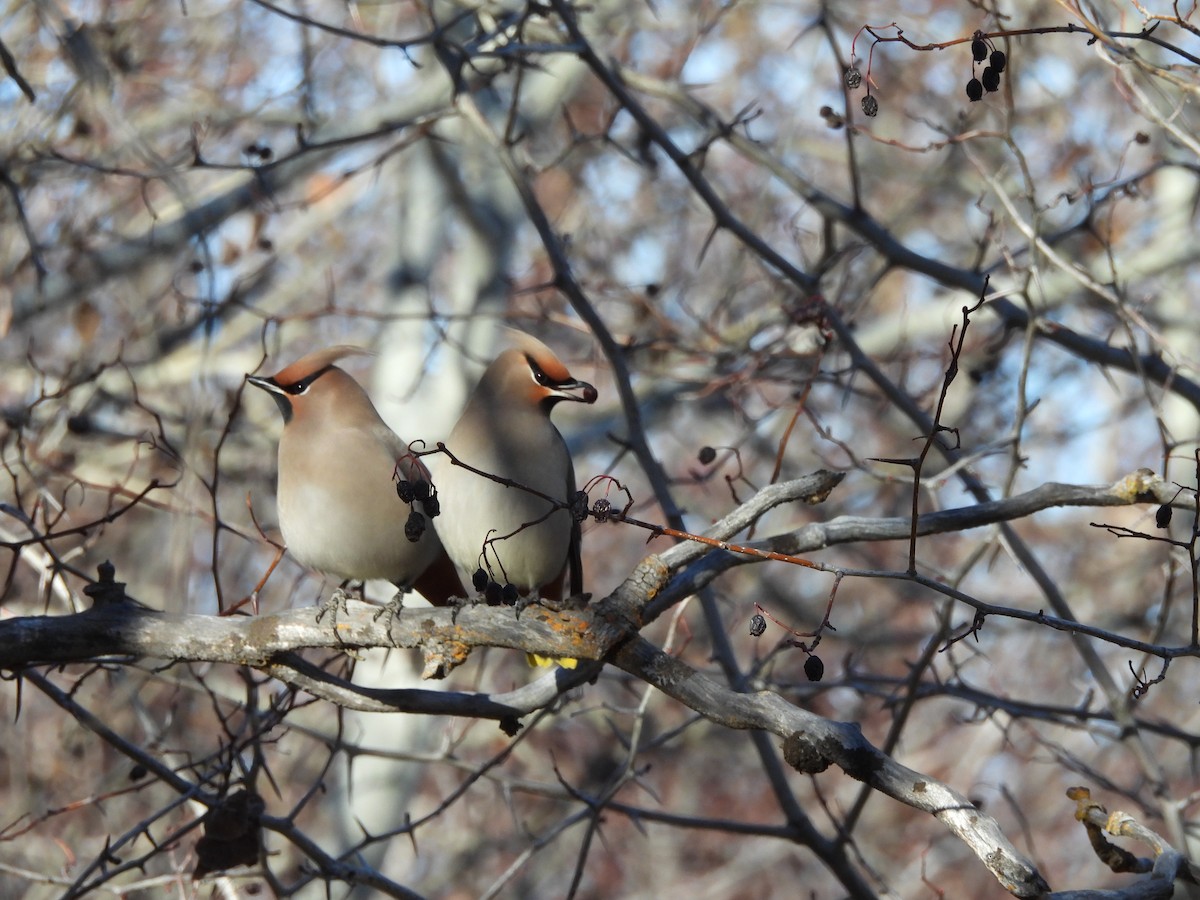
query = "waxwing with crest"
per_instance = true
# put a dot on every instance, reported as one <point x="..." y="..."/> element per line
<point x="516" y="536"/>
<point x="336" y="491"/>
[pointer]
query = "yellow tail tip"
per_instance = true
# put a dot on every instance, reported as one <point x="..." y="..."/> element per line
<point x="544" y="662"/>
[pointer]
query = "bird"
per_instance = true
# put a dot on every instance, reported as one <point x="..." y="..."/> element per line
<point x="493" y="532"/>
<point x="336" y="496"/>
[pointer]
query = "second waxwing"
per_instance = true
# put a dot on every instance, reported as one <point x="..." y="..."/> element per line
<point x="336" y="492"/>
<point x="515" y="536"/>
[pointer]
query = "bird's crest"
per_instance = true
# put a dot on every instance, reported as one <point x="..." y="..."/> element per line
<point x="547" y="360"/>
<point x="316" y="361"/>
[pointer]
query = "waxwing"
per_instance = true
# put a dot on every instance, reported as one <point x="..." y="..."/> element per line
<point x="514" y="536"/>
<point x="336" y="493"/>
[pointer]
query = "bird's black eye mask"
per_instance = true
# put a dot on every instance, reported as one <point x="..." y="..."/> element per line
<point x="299" y="387"/>
<point x="540" y="376"/>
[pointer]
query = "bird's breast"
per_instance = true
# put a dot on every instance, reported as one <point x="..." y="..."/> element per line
<point x="343" y="517"/>
<point x="515" y="535"/>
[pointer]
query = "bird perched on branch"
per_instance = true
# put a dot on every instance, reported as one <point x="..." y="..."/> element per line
<point x="523" y="534"/>
<point x="337" y="485"/>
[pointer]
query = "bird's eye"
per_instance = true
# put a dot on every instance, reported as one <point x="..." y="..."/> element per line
<point x="299" y="387"/>
<point x="538" y="375"/>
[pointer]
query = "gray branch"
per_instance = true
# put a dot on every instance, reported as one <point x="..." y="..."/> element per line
<point x="812" y="743"/>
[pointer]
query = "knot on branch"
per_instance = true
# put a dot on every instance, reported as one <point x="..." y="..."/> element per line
<point x="106" y="591"/>
<point x="801" y="755"/>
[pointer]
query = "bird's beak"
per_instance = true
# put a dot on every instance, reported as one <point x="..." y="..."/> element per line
<point x="579" y="391"/>
<point x="271" y="386"/>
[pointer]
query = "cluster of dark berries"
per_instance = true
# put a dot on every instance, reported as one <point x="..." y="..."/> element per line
<point x="494" y="594"/>
<point x="854" y="79"/>
<point x="426" y="493"/>
<point x="989" y="79"/>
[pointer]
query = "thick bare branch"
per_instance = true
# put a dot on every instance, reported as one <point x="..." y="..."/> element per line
<point x="812" y="743"/>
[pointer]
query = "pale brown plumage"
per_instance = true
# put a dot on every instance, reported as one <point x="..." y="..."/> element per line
<point x="516" y="536"/>
<point x="338" y="508"/>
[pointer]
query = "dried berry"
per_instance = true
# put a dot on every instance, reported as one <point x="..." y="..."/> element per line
<point x="1162" y="518"/>
<point x="414" y="527"/>
<point x="579" y="506"/>
<point x="602" y="510"/>
<point x="706" y="455"/>
<point x="757" y="625"/>
<point x="509" y="594"/>
<point x="422" y="489"/>
<point x="979" y="49"/>
<point x="853" y="77"/>
<point x="998" y="60"/>
<point x="832" y="119"/>
<point x="433" y="507"/>
<point x="991" y="79"/>
<point x="479" y="580"/>
<point x="974" y="90"/>
<point x="404" y="490"/>
<point x="814" y="668"/>
<point x="492" y="593"/>
<point x="870" y="105"/>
